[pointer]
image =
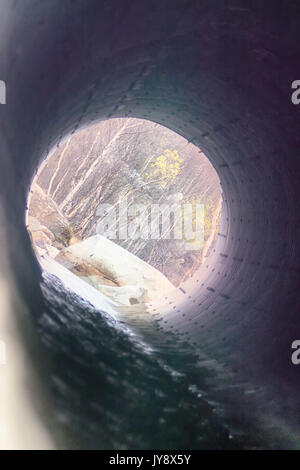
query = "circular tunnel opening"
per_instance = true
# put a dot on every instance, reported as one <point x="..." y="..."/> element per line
<point x="130" y="207"/>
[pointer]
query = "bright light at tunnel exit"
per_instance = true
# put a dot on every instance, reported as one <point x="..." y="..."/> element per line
<point x="129" y="207"/>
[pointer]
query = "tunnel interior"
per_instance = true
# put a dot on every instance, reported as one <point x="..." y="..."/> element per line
<point x="217" y="73"/>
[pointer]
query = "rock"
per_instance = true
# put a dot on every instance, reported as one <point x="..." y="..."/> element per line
<point x="52" y="251"/>
<point x="84" y="269"/>
<point x="40" y="251"/>
<point x="45" y="216"/>
<point x="125" y="295"/>
<point x="41" y="239"/>
<point x="34" y="224"/>
<point x="118" y="265"/>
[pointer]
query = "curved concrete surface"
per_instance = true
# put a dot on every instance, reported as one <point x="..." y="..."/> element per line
<point x="220" y="74"/>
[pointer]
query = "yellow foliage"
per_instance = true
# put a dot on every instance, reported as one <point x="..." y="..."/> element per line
<point x="166" y="168"/>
